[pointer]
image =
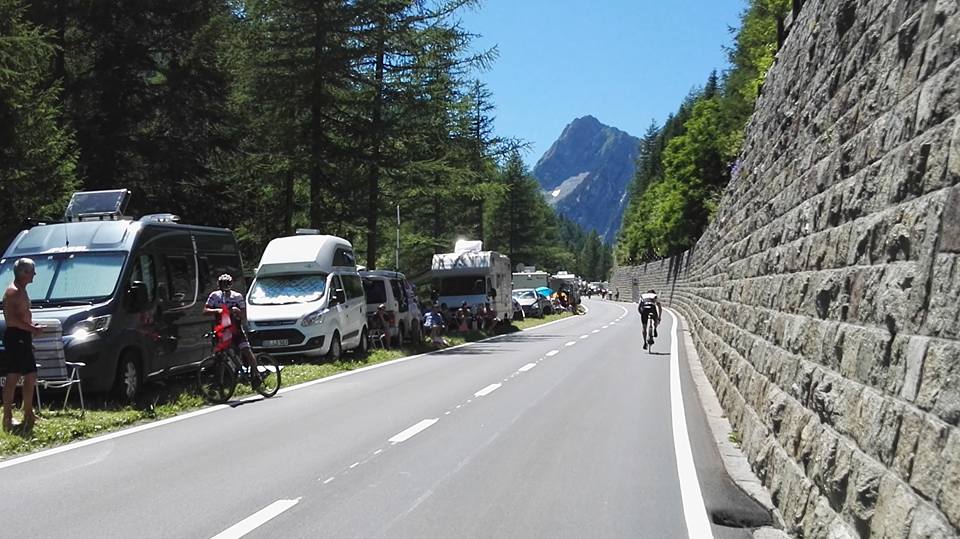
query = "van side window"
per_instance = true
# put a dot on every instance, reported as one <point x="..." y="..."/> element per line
<point x="344" y="257"/>
<point x="399" y="295"/>
<point x="206" y="281"/>
<point x="181" y="279"/>
<point x="143" y="271"/>
<point x="353" y="285"/>
<point x="334" y="285"/>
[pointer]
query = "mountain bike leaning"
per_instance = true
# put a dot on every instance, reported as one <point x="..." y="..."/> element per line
<point x="220" y="373"/>
<point x="650" y="314"/>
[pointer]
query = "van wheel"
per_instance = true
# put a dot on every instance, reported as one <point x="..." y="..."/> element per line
<point x="364" y="347"/>
<point x="335" y="349"/>
<point x="127" y="385"/>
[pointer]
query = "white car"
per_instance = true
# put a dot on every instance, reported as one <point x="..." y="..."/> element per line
<point x="532" y="303"/>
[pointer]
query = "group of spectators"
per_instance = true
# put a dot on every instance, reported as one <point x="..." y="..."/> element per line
<point x="440" y="320"/>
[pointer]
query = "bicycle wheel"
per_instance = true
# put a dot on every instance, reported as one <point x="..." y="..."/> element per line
<point x="216" y="379"/>
<point x="269" y="371"/>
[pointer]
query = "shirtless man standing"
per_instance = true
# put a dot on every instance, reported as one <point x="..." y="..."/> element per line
<point x="18" y="340"/>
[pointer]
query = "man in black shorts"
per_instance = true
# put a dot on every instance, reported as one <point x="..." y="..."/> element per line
<point x="237" y="306"/>
<point x="18" y="342"/>
<point x="649" y="307"/>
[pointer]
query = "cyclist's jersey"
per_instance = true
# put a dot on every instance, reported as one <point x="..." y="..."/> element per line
<point x="648" y="304"/>
<point x="231" y="299"/>
<point x="217" y="300"/>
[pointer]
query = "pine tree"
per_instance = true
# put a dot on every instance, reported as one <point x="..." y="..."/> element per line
<point x="37" y="156"/>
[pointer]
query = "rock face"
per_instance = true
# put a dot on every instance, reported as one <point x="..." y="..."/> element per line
<point x="823" y="298"/>
<point x="585" y="174"/>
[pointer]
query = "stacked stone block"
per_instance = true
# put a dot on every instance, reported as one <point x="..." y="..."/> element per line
<point x="825" y="297"/>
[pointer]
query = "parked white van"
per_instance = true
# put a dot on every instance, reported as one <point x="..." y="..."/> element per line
<point x="306" y="297"/>
<point x="472" y="275"/>
<point x="392" y="290"/>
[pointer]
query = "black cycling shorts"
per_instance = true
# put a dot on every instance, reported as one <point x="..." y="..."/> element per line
<point x="18" y="358"/>
<point x="647" y="313"/>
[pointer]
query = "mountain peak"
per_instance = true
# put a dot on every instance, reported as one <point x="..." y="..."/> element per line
<point x="586" y="173"/>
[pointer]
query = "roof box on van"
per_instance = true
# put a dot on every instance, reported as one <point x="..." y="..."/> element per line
<point x="306" y="254"/>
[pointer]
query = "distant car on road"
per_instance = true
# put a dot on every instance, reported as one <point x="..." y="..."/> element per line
<point x="532" y="303"/>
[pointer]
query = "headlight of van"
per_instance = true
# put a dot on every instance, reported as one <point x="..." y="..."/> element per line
<point x="90" y="326"/>
<point x="314" y="318"/>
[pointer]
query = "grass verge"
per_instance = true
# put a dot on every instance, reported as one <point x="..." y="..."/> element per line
<point x="178" y="395"/>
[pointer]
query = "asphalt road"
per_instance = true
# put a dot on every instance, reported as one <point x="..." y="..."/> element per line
<point x="560" y="431"/>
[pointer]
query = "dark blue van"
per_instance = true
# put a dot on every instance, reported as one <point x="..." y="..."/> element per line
<point x="129" y="294"/>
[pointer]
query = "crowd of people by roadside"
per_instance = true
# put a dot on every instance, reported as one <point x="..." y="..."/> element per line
<point x="440" y="320"/>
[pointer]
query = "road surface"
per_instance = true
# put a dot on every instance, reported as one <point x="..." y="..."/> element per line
<point x="566" y="430"/>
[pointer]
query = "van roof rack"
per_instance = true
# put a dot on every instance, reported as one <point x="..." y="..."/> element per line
<point x="161" y="218"/>
<point x="307" y="231"/>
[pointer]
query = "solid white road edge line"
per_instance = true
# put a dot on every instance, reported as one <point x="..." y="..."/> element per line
<point x="694" y="510"/>
<point x="487" y="390"/>
<point x="412" y="431"/>
<point x="256" y="520"/>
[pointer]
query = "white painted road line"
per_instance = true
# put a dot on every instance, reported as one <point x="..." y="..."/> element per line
<point x="487" y="390"/>
<point x="552" y="353"/>
<point x="256" y="520"/>
<point x="595" y="331"/>
<point x="694" y="510"/>
<point x="413" y="431"/>
<point x="527" y="367"/>
<point x="584" y="336"/>
<point x="571" y="343"/>
<point x="354" y="465"/>
<point x="329" y="479"/>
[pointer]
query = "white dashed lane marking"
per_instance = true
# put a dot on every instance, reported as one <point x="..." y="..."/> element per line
<point x="413" y="431"/>
<point x="527" y="367"/>
<point x="552" y="353"/>
<point x="256" y="520"/>
<point x="487" y="390"/>
<point x="571" y="343"/>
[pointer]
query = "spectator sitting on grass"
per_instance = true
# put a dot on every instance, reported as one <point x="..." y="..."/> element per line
<point x="382" y="322"/>
<point x="489" y="315"/>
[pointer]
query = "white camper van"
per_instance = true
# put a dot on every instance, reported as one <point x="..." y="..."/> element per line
<point x="307" y="298"/>
<point x="472" y="275"/>
<point x="531" y="279"/>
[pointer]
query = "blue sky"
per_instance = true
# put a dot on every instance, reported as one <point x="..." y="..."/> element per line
<point x="625" y="62"/>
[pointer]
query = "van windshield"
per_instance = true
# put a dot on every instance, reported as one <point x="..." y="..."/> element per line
<point x="376" y="291"/>
<point x="462" y="286"/>
<point x="287" y="289"/>
<point x="71" y="278"/>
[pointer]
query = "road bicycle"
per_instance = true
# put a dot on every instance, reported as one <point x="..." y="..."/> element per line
<point x="651" y="329"/>
<point x="220" y="373"/>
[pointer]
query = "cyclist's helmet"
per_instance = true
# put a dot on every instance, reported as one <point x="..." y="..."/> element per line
<point x="224" y="280"/>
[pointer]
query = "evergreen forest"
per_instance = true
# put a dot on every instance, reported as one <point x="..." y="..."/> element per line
<point x="266" y="116"/>
<point x="684" y="164"/>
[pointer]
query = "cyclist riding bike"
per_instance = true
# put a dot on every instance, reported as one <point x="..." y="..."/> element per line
<point x="237" y="305"/>
<point x="649" y="308"/>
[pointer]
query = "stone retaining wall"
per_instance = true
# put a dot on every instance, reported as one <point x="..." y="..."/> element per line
<point x="824" y="297"/>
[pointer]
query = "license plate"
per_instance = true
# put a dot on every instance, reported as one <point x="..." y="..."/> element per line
<point x="276" y="342"/>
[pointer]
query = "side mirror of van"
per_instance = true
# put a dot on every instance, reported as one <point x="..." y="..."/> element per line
<point x="137" y="298"/>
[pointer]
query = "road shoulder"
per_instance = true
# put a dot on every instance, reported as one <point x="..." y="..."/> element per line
<point x="734" y="461"/>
